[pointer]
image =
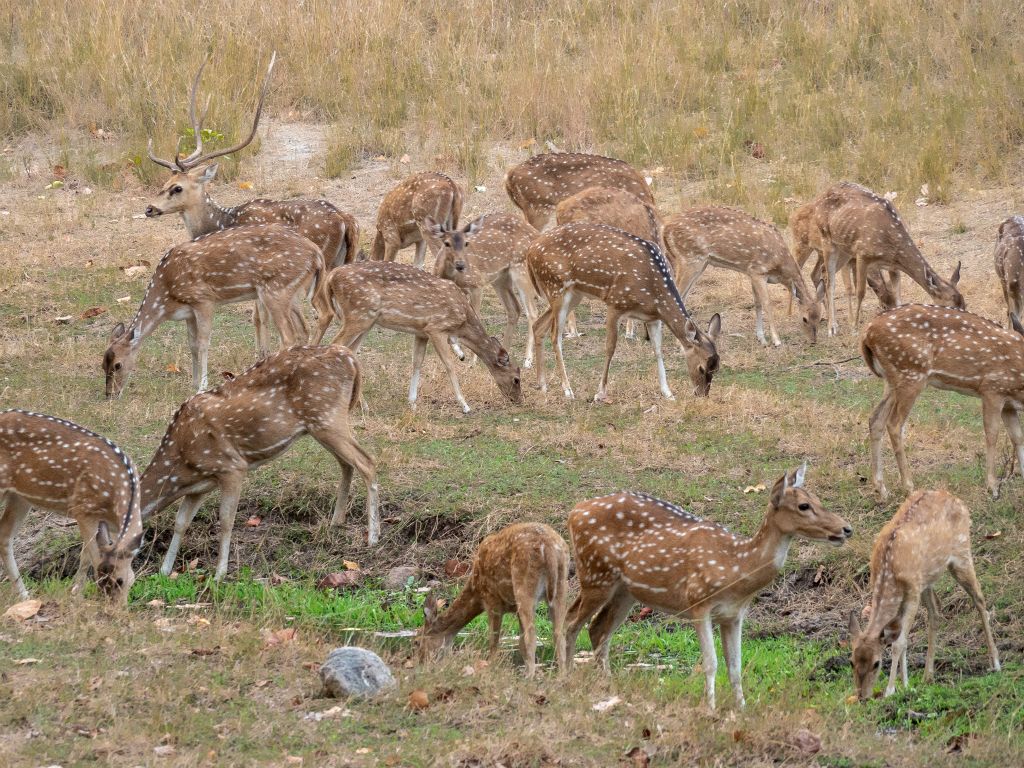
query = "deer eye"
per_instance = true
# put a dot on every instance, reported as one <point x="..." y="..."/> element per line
<point x="803" y="506"/>
<point x="176" y="189"/>
<point x="877" y="664"/>
<point x="117" y="366"/>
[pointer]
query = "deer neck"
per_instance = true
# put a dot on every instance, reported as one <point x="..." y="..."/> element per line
<point x="152" y="311"/>
<point x="762" y="556"/>
<point x="466" y="607"/>
<point x="208" y="217"/>
<point x="168" y="477"/>
<point x="475" y="336"/>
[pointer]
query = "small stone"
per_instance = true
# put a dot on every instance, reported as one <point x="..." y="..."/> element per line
<point x="353" y="671"/>
<point x="399" y="576"/>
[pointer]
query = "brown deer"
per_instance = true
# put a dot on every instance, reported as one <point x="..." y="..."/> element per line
<point x="539" y="184"/>
<point x="631" y="276"/>
<point x="403" y="213"/>
<point x="403" y="298"/>
<point x="268" y="262"/>
<point x="55" y="465"/>
<point x="916" y="345"/>
<point x="631" y="547"/>
<point x="859" y="226"/>
<point x="512" y="570"/>
<point x="929" y="534"/>
<point x="1010" y="264"/>
<point x="216" y="437"/>
<point x="732" y="239"/>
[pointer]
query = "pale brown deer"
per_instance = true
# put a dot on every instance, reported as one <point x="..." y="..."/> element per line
<point x="631" y="547"/>
<point x="633" y="279"/>
<point x="403" y="298"/>
<point x="1009" y="260"/>
<point x="269" y="262"/>
<point x="217" y="437"/>
<point x="732" y="239"/>
<point x="929" y="534"/>
<point x="512" y="570"/>
<point x="864" y="228"/>
<point x="403" y="213"/>
<point x="57" y="466"/>
<point x="539" y="184"/>
<point x="916" y="345"/>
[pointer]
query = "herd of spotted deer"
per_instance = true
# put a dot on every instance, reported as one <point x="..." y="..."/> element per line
<point x="610" y="244"/>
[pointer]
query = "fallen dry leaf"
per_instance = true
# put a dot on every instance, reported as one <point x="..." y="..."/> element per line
<point x="89" y="263"/>
<point x="607" y="704"/>
<point x="528" y="143"/>
<point x="993" y="535"/>
<point x="245" y="185"/>
<point x="418" y="700"/>
<point x="173" y="368"/>
<point x="340" y="580"/>
<point x="852" y="698"/>
<point x="273" y="637"/>
<point x="28" y="660"/>
<point x="63" y="319"/>
<point x="26" y="609"/>
<point x="92" y="312"/>
<point x="156" y="602"/>
<point x="350" y="565"/>
<point x="254" y="522"/>
<point x="134" y="271"/>
<point x="164" y="750"/>
<point x="124" y="299"/>
<point x="759" y="488"/>
<point x="468" y="671"/>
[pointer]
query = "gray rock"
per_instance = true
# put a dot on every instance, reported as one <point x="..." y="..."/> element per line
<point x="352" y="671"/>
<point x="398" y="576"/>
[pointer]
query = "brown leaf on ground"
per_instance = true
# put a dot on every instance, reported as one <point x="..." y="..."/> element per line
<point x="26" y="609"/>
<point x="173" y="368"/>
<point x="92" y="312"/>
<point x="340" y="580"/>
<point x="456" y="568"/>
<point x="418" y="700"/>
<point x="275" y="637"/>
<point x="254" y="522"/>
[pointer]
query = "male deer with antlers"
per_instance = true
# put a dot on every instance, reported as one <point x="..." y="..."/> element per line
<point x="732" y="239"/>
<point x="631" y="547"/>
<point x="929" y="534"/>
<point x="1009" y="258"/>
<point x="630" y="275"/>
<point x="268" y="262"/>
<point x="402" y="219"/>
<point x="512" y="570"/>
<point x="217" y="437"/>
<point x="917" y="345"/>
<point x="57" y="466"/>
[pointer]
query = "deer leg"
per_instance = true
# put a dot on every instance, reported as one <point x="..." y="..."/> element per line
<point x="352" y="330"/>
<point x="902" y="401"/>
<point x="556" y="612"/>
<point x="10" y="521"/>
<point x="710" y="661"/>
<point x="571" y="330"/>
<point x="203" y="327"/>
<point x="894" y="283"/>
<point x="588" y="602"/>
<point x="419" y="351"/>
<point x="261" y="321"/>
<point x="830" y="257"/>
<point x="608" y="619"/>
<point x="611" y="339"/>
<point x="230" y="491"/>
<point x="338" y="439"/>
<point x="876" y="429"/>
<point x="847" y="275"/>
<point x="732" y="632"/>
<point x="568" y="303"/>
<point x="655" y="330"/>
<point x="440" y="342"/>
<point x="183" y="519"/>
<point x="962" y="569"/>
<point x="88" y="525"/>
<point x="541" y="327"/>
<point x="526" y="607"/>
<point x="506" y="295"/>
<point x="528" y="299"/>
<point x="762" y="309"/>
<point x="991" y="408"/>
<point x="1011" y="420"/>
<point x="928" y="595"/>
<point x="493" y="632"/>
<point x="693" y="276"/>
<point x="861" y="276"/>
<point x="899" y="647"/>
<point x="281" y="313"/>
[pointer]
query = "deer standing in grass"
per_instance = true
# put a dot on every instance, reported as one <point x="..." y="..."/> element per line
<point x="402" y="219"/>
<point x="55" y="465"/>
<point x="512" y="570"/>
<point x="631" y="547"/>
<point x="916" y="345"/>
<point x="631" y="276"/>
<point x="539" y="184"/>
<point x="268" y="262"/>
<point x="217" y="437"/>
<point x="857" y="225"/>
<point x="929" y="534"/>
<point x="1009" y="259"/>
<point x="732" y="239"/>
<point x="403" y="298"/>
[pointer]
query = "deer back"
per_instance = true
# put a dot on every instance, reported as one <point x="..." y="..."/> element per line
<point x="422" y="195"/>
<point x="545" y="180"/>
<point x="502" y="240"/>
<point x="319" y="221"/>
<point x="614" y="207"/>
<point x="731" y="237"/>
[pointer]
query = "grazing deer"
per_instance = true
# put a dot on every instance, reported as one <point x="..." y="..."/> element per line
<point x="539" y="184"/>
<point x="916" y="345"/>
<point x="930" y="533"/>
<point x="859" y="226"/>
<point x="268" y="262"/>
<point x="512" y="570"/>
<point x="216" y="437"/>
<point x="630" y="275"/>
<point x="57" y="466"/>
<point x="631" y="547"/>
<point x="403" y="213"/>
<point x="1010" y="264"/>
<point x="732" y="239"/>
<point x="403" y="298"/>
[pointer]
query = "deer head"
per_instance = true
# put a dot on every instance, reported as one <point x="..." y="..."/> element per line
<point x="701" y="354"/>
<point x="451" y="261"/>
<point x="119" y="359"/>
<point x="866" y="653"/>
<point x="183" y="191"/>
<point x="114" y="574"/>
<point x="947" y="292"/>
<point x="505" y="372"/>
<point x="810" y="314"/>
<point x="796" y="511"/>
<point x="430" y="640"/>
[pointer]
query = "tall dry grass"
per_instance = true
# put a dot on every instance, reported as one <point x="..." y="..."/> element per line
<point x="891" y="92"/>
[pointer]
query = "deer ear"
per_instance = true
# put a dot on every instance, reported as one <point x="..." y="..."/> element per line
<point x="798" y="476"/>
<point x="955" y="278"/>
<point x="503" y="359"/>
<point x="779" y="489"/>
<point x="433" y="227"/>
<point x="690" y="331"/>
<point x="103" y="535"/>
<point x="854" y="625"/>
<point x="821" y="291"/>
<point x="715" y="326"/>
<point x="472" y="228"/>
<point x="117" y="332"/>
<point x="207" y="174"/>
<point x="1016" y="324"/>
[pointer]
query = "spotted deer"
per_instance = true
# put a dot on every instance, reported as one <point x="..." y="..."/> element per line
<point x="631" y="276"/>
<point x="916" y="345"/>
<point x="539" y="184"/>
<point x="858" y="226"/>
<point x="57" y="466"/>
<point x="732" y="239"/>
<point x="403" y="298"/>
<point x="217" y="437"/>
<point x="1009" y="260"/>
<point x="403" y="213"/>
<point x="268" y="262"/>
<point x="631" y="547"/>
<point x="929" y="534"/>
<point x="512" y="570"/>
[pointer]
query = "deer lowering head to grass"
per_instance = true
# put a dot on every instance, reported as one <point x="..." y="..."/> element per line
<point x="512" y="570"/>
<point x="914" y="346"/>
<point x="1009" y="259"/>
<point x="402" y="219"/>
<point x="403" y="298"/>
<point x="631" y="276"/>
<point x="631" y="547"/>
<point x="732" y="239"/>
<point x="57" y="466"/>
<point x="217" y="437"/>
<point x="861" y="227"/>
<point x="539" y="184"/>
<point x="268" y="262"/>
<point x="929" y="534"/>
